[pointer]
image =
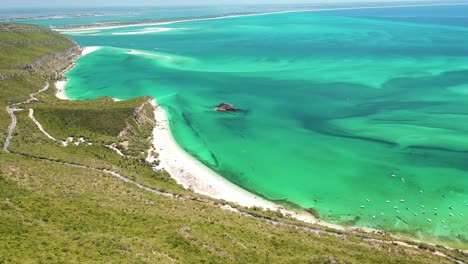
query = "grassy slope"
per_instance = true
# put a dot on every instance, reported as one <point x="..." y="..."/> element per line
<point x="57" y="213"/>
<point x="51" y="212"/>
<point x="24" y="44"/>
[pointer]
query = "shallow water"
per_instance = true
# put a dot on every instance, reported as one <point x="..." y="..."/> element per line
<point x="363" y="119"/>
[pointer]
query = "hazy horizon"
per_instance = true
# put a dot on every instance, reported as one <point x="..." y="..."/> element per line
<point x="120" y="3"/>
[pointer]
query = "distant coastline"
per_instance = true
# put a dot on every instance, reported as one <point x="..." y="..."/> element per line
<point x="112" y="25"/>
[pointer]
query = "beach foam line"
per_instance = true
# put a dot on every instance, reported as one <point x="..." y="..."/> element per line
<point x="148" y="54"/>
<point x="144" y="31"/>
<point x="60" y="85"/>
<point x="88" y="50"/>
<point x="82" y="32"/>
<point x="194" y="175"/>
<point x="100" y="27"/>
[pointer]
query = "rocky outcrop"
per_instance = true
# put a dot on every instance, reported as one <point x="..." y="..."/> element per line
<point x="225" y="107"/>
<point x="136" y="137"/>
<point x="49" y="65"/>
<point x="143" y="116"/>
<point x="67" y="55"/>
<point x="7" y="76"/>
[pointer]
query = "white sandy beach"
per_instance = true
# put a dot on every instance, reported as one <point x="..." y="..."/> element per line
<point x="60" y="85"/>
<point x="144" y="31"/>
<point x="88" y="50"/>
<point x="191" y="173"/>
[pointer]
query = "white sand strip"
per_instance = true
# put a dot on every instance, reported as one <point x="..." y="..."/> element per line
<point x="191" y="173"/>
<point x="149" y="54"/>
<point x="60" y="85"/>
<point x="88" y="50"/>
<point x="144" y="31"/>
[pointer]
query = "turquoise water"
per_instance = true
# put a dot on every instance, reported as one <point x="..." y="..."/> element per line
<point x="362" y="119"/>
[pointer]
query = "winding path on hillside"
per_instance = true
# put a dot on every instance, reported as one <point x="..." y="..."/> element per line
<point x="14" y="120"/>
<point x="11" y="128"/>
<point x="32" y="97"/>
<point x="41" y="128"/>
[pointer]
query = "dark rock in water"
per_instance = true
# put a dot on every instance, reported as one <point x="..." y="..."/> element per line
<point x="225" y="107"/>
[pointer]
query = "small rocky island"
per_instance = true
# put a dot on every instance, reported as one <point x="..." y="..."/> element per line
<point x="225" y="107"/>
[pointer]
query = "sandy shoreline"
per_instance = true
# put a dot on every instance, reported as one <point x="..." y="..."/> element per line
<point x="60" y="85"/>
<point x="191" y="173"/>
<point x="60" y="93"/>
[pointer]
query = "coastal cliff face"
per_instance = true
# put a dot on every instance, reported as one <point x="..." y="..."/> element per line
<point x="136" y="138"/>
<point x="10" y="75"/>
<point x="53" y="64"/>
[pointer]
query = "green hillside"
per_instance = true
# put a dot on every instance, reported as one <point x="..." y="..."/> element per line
<point x="86" y="203"/>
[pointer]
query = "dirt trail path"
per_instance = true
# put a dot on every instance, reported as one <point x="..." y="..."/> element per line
<point x="14" y="120"/>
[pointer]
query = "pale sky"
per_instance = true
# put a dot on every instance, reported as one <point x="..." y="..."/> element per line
<point x="84" y="3"/>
